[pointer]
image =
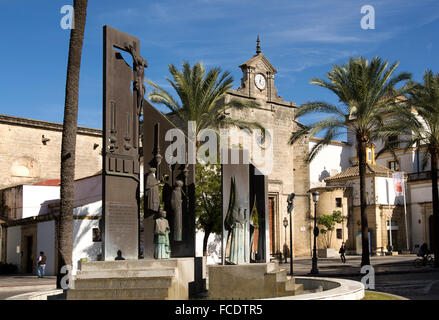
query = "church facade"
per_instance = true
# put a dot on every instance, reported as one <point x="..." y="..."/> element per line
<point x="289" y="171"/>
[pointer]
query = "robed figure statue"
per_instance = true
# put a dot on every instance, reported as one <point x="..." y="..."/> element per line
<point x="162" y="249"/>
<point x="237" y="250"/>
<point x="152" y="193"/>
<point x="176" y="204"/>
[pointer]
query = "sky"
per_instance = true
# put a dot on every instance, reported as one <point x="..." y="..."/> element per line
<point x="302" y="39"/>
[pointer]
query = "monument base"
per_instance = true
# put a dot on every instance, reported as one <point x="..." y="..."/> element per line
<point x="250" y="281"/>
<point x="147" y="279"/>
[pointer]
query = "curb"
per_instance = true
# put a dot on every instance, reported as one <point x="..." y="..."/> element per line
<point x="376" y="273"/>
<point x="36" y="295"/>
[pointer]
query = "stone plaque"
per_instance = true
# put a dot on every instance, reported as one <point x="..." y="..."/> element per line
<point x="123" y="92"/>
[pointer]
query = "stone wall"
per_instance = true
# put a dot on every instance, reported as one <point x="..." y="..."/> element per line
<point x="30" y="151"/>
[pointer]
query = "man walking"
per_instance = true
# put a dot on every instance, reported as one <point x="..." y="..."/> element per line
<point x="41" y="270"/>
<point x="342" y="252"/>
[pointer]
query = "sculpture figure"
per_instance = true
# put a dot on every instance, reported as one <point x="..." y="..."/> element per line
<point x="139" y="65"/>
<point x="176" y="205"/>
<point x="237" y="251"/>
<point x="162" y="249"/>
<point x="152" y="193"/>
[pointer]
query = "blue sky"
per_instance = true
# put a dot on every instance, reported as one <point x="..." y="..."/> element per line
<point x="302" y="39"/>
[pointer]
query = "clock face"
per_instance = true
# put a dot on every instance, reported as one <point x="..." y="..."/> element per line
<point x="260" y="81"/>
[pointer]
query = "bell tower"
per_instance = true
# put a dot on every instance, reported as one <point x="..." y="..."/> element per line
<point x="258" y="77"/>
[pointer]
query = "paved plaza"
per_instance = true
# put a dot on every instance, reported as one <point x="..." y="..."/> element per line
<point x="394" y="274"/>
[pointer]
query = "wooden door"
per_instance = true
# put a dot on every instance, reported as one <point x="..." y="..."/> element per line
<point x="271" y="213"/>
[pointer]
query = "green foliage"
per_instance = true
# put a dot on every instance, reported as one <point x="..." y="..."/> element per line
<point x="208" y="198"/>
<point x="201" y="96"/>
<point x="366" y="91"/>
<point x="329" y="221"/>
<point x="416" y="119"/>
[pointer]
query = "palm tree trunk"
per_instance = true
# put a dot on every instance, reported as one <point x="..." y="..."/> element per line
<point x="435" y="199"/>
<point x="364" y="224"/>
<point x="68" y="148"/>
<point x="205" y="239"/>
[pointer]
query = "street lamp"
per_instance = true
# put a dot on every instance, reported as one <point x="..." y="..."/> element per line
<point x="285" y="223"/>
<point x="314" y="269"/>
<point x="290" y="212"/>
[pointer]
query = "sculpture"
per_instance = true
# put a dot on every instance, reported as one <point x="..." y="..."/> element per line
<point x="237" y="252"/>
<point x="176" y="204"/>
<point x="162" y="250"/>
<point x="152" y="193"/>
<point x="139" y="65"/>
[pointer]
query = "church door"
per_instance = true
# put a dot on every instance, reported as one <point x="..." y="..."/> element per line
<point x="271" y="212"/>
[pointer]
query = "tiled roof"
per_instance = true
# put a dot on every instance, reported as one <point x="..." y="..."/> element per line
<point x="371" y="169"/>
<point x="53" y="182"/>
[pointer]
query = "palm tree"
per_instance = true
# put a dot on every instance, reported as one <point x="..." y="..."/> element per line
<point x="366" y="91"/>
<point x="65" y="243"/>
<point x="418" y="116"/>
<point x="201" y="95"/>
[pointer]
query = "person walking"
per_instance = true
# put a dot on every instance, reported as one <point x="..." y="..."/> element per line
<point x="342" y="252"/>
<point x="41" y="270"/>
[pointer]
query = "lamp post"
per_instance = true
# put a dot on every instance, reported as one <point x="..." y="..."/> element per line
<point x="290" y="212"/>
<point x="285" y="223"/>
<point x="314" y="269"/>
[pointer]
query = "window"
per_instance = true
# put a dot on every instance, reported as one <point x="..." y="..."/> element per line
<point x="338" y="203"/>
<point x="392" y="139"/>
<point x="339" y="233"/>
<point x="393" y="165"/>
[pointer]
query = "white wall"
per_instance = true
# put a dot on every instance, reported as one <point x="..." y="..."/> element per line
<point x="36" y="198"/>
<point x="381" y="185"/>
<point x="83" y="245"/>
<point x="13" y="248"/>
<point x="213" y="247"/>
<point x="331" y="160"/>
<point x="46" y="243"/>
<point x="419" y="193"/>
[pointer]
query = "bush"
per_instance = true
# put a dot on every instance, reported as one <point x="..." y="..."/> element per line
<point x="7" y="268"/>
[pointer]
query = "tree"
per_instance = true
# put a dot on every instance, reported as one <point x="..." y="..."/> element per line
<point x="68" y="147"/>
<point x="201" y="95"/>
<point x="208" y="199"/>
<point x="366" y="92"/>
<point x="201" y="99"/>
<point x="418" y="118"/>
<point x="328" y="221"/>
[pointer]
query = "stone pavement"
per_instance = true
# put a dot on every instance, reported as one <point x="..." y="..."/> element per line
<point x="11" y="285"/>
<point x="332" y="267"/>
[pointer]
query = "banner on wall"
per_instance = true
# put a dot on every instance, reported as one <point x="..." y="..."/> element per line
<point x="398" y="183"/>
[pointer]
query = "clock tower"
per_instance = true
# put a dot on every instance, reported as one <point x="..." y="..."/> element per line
<point x="290" y="169"/>
<point x="257" y="80"/>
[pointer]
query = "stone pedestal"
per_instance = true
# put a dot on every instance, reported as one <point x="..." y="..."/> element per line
<point x="147" y="279"/>
<point x="250" y="281"/>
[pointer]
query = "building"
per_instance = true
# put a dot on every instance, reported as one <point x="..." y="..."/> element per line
<point x="30" y="151"/>
<point x="289" y="171"/>
<point x="31" y="224"/>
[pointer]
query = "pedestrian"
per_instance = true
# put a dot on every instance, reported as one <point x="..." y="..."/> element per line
<point x="41" y="270"/>
<point x="342" y="252"/>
